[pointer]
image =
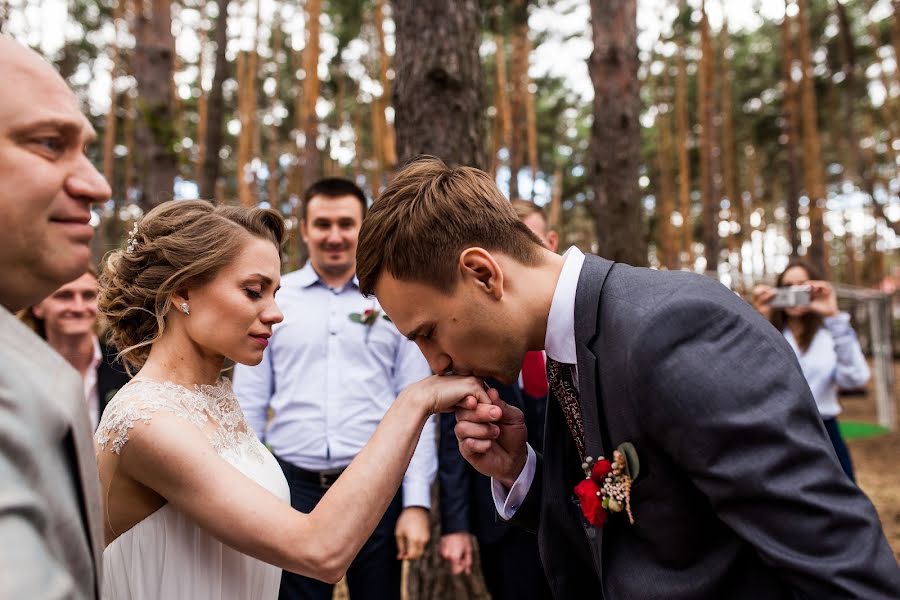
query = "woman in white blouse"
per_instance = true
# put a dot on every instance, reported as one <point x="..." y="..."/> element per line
<point x="825" y="344"/>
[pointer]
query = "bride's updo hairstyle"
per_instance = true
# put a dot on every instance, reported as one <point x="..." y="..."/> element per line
<point x="178" y="245"/>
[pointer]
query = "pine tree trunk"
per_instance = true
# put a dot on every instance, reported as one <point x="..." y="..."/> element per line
<point x="273" y="142"/>
<point x="812" y="151"/>
<point x="504" y="129"/>
<point x="202" y="111"/>
<point x="706" y="98"/>
<point x="666" y="240"/>
<point x="439" y="102"/>
<point x="246" y="81"/>
<point x="729" y="174"/>
<point x="531" y="123"/>
<point x="109" y="128"/>
<point x="153" y="62"/>
<point x="554" y="214"/>
<point x="682" y="133"/>
<point x="215" y="108"/>
<point x="791" y="131"/>
<point x="128" y="137"/>
<point x="389" y="138"/>
<point x="615" y="145"/>
<point x="518" y="89"/>
<point x="312" y="165"/>
<point x="438" y="93"/>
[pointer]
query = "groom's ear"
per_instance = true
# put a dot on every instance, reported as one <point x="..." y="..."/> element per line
<point x="478" y="266"/>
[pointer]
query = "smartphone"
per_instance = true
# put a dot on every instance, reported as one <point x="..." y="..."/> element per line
<point x="789" y="297"/>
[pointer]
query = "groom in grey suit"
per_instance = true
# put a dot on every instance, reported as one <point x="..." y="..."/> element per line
<point x="50" y="508"/>
<point x="736" y="492"/>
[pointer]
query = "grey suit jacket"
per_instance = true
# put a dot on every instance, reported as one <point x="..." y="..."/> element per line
<point x="50" y="515"/>
<point x="739" y="494"/>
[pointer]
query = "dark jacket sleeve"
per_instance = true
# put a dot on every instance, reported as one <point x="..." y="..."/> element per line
<point x="721" y="391"/>
<point x="454" y="480"/>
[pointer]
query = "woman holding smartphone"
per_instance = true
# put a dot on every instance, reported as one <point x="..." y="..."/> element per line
<point x="824" y="341"/>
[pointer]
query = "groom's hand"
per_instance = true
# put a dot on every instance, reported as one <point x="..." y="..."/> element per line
<point x="492" y="438"/>
<point x="412" y="532"/>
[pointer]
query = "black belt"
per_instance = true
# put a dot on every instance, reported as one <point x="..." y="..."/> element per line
<point x="323" y="479"/>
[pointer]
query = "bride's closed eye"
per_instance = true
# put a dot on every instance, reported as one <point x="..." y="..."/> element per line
<point x="256" y="295"/>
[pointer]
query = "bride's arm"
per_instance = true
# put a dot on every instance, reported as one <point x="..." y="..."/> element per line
<point x="171" y="457"/>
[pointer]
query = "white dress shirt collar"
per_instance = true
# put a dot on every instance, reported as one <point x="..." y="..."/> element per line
<point x="560" y="339"/>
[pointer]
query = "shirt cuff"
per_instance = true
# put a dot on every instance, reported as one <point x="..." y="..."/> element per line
<point x="838" y="324"/>
<point x="416" y="493"/>
<point x="507" y="502"/>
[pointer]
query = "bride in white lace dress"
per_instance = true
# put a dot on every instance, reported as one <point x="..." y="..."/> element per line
<point x="196" y="507"/>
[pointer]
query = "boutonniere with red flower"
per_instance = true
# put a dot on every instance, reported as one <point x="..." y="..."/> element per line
<point x="366" y="317"/>
<point x="606" y="486"/>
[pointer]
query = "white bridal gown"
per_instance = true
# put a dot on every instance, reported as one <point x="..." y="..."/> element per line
<point x="167" y="556"/>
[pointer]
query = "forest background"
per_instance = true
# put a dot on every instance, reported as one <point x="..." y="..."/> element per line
<point x="720" y="137"/>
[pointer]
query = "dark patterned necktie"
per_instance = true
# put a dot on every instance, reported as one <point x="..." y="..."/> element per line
<point x="561" y="377"/>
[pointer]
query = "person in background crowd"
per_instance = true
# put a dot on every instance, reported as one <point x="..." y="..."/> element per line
<point x="331" y="371"/>
<point x="825" y="344"/>
<point x="510" y="560"/>
<point x="50" y="519"/>
<point x="67" y="320"/>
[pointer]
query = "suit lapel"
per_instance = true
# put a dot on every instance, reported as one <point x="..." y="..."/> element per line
<point x="587" y="310"/>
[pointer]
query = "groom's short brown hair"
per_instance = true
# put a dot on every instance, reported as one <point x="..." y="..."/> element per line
<point x="427" y="215"/>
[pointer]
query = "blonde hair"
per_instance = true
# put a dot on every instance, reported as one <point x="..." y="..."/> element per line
<point x="177" y="245"/>
<point x="526" y="208"/>
<point x="427" y="215"/>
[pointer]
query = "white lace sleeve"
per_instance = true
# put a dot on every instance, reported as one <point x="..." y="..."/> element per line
<point x="213" y="409"/>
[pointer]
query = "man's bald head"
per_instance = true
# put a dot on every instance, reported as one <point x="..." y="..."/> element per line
<point x="47" y="183"/>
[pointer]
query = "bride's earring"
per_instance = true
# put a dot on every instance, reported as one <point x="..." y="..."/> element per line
<point x="185" y="308"/>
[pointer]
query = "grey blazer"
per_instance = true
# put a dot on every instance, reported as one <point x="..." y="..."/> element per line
<point x="739" y="496"/>
<point x="50" y="515"/>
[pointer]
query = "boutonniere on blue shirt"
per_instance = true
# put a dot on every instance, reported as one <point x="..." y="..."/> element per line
<point x="606" y="487"/>
<point x="368" y="318"/>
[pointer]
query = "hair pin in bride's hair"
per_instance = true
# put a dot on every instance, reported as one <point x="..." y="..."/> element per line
<point x="132" y="239"/>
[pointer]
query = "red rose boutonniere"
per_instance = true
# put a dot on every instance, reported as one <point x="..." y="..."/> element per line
<point x="367" y="317"/>
<point x="606" y="486"/>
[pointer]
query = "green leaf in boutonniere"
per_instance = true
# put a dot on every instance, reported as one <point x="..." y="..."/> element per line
<point x="367" y="317"/>
<point x="386" y="318"/>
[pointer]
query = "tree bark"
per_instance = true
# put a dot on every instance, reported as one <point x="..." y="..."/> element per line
<point x="682" y="133"/>
<point x="388" y="140"/>
<point x="518" y="89"/>
<point x="666" y="240"/>
<point x="615" y="144"/>
<point x="791" y="131"/>
<point x="202" y="111"/>
<point x="312" y="164"/>
<point x="504" y="128"/>
<point x="729" y="173"/>
<point x="153" y="62"/>
<point x="215" y="108"/>
<point x="812" y="150"/>
<point x="109" y="128"/>
<point x="708" y="188"/>
<point x="439" y="102"/>
<point x="438" y="91"/>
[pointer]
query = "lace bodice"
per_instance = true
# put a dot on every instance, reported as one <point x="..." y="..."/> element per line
<point x="213" y="409"/>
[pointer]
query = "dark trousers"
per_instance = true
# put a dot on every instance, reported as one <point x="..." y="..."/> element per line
<point x="840" y="448"/>
<point x="512" y="567"/>
<point x="374" y="573"/>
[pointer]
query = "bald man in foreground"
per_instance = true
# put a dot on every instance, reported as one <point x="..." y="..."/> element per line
<point x="50" y="507"/>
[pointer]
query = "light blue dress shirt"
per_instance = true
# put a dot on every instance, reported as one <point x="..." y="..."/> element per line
<point x="833" y="359"/>
<point x="329" y="381"/>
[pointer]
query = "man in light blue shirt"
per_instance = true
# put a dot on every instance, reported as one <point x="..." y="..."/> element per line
<point x="332" y="369"/>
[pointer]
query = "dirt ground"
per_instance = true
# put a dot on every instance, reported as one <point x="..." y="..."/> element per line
<point x="877" y="461"/>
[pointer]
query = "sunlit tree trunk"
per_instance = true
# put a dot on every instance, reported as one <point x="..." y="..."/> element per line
<point x="388" y="139"/>
<point x="215" y="108"/>
<point x="812" y="151"/>
<point x="518" y="88"/>
<point x="682" y="141"/>
<point x="615" y="145"/>
<point x="666" y="240"/>
<point x="202" y="111"/>
<point x="153" y="64"/>
<point x="729" y="172"/>
<point x="109" y="128"/>
<point x="706" y="99"/>
<point x="311" y="161"/>
<point x="791" y="132"/>
<point x="504" y="128"/>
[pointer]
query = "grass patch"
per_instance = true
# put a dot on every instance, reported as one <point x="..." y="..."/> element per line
<point x="855" y="430"/>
